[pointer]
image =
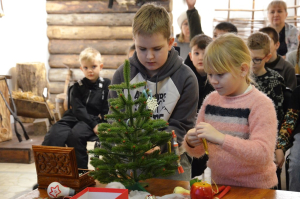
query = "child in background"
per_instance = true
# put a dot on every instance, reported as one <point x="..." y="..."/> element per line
<point x="89" y="105"/>
<point x="224" y="27"/>
<point x="198" y="45"/>
<point x="294" y="57"/>
<point x="276" y="62"/>
<point x="131" y="51"/>
<point x="268" y="80"/>
<point x="232" y="119"/>
<point x="171" y="82"/>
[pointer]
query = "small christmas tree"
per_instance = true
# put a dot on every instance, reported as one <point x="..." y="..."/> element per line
<point x="126" y="141"/>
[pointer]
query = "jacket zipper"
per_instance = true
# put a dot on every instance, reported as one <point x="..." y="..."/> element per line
<point x="87" y="100"/>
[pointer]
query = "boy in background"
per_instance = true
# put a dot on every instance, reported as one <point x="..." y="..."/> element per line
<point x="269" y="81"/>
<point x="276" y="62"/>
<point x="170" y="81"/>
<point x="89" y="105"/>
<point x="224" y="27"/>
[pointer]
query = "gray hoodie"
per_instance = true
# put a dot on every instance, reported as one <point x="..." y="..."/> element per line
<point x="177" y="92"/>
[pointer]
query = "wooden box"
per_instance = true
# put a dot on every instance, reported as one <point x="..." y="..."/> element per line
<point x="58" y="164"/>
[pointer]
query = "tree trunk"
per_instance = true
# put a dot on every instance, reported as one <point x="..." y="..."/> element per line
<point x="109" y="61"/>
<point x="116" y="19"/>
<point x="59" y="75"/>
<point x="31" y="76"/>
<point x="67" y="7"/>
<point x="105" y="47"/>
<point x="89" y="32"/>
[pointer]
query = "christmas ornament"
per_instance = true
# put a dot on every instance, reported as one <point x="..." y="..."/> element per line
<point x="175" y="145"/>
<point x="151" y="101"/>
<point x="56" y="190"/>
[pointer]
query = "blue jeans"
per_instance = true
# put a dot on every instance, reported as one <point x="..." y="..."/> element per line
<point x="294" y="165"/>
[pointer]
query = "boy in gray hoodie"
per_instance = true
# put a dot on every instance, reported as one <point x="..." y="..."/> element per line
<point x="173" y="84"/>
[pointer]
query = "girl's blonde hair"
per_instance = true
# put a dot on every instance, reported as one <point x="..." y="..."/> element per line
<point x="227" y="54"/>
<point x="90" y="54"/>
<point x="277" y="3"/>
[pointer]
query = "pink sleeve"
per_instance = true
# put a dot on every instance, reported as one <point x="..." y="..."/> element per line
<point x="197" y="151"/>
<point x="260" y="146"/>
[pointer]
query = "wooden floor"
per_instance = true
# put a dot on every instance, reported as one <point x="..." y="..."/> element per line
<point x="13" y="151"/>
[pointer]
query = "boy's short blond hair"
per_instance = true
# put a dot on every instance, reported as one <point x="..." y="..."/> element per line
<point x="277" y="3"/>
<point x="90" y="54"/>
<point x="151" y="19"/>
<point x="227" y="54"/>
<point x="259" y="41"/>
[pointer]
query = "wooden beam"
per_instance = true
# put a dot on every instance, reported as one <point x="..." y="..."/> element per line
<point x="105" y="47"/>
<point x="89" y="32"/>
<point x="106" y="19"/>
<point x="60" y="60"/>
<point x="68" y="7"/>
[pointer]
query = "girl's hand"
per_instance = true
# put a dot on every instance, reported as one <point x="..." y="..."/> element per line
<point x="279" y="158"/>
<point x="207" y="131"/>
<point x="191" y="4"/>
<point x="192" y="138"/>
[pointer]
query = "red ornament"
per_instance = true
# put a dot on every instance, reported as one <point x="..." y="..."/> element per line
<point x="108" y="129"/>
<point x="143" y="157"/>
<point x="201" y="190"/>
<point x="119" y="120"/>
<point x="164" y="169"/>
<point x="97" y="169"/>
<point x="117" y="107"/>
<point x="134" y="86"/>
<point x="123" y="141"/>
<point x="126" y="132"/>
<point x="144" y="102"/>
<point x="121" y="94"/>
<point x="133" y="146"/>
<point x="167" y="123"/>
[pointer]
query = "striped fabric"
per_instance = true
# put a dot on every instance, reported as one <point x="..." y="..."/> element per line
<point x="246" y="157"/>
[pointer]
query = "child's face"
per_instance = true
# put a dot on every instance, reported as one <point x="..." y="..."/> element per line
<point x="196" y="55"/>
<point x="152" y="50"/>
<point x="259" y="58"/>
<point x="218" y="32"/>
<point x="227" y="84"/>
<point x="91" y="69"/>
<point x="277" y="15"/>
<point x="185" y="29"/>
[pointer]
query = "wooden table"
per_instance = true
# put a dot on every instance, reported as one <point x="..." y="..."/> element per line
<point x="160" y="187"/>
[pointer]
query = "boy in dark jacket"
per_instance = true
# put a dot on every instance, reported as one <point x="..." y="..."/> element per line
<point x="89" y="105"/>
<point x="173" y="84"/>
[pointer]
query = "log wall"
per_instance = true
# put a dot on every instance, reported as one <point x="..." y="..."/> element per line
<point x="75" y="25"/>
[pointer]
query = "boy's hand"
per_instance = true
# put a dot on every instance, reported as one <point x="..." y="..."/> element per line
<point x="191" y="4"/>
<point x="152" y="150"/>
<point x="192" y="138"/>
<point x="96" y="129"/>
<point x="207" y="131"/>
<point x="279" y="158"/>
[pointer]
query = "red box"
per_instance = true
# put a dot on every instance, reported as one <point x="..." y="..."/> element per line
<point x="101" y="193"/>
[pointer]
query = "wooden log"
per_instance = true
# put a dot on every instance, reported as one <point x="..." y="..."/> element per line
<point x="105" y="47"/>
<point x="89" y="32"/>
<point x="109" y="61"/>
<point x="67" y="7"/>
<point x="31" y="76"/>
<point x="56" y="87"/>
<point x="5" y="126"/>
<point x="116" y="19"/>
<point x="59" y="75"/>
